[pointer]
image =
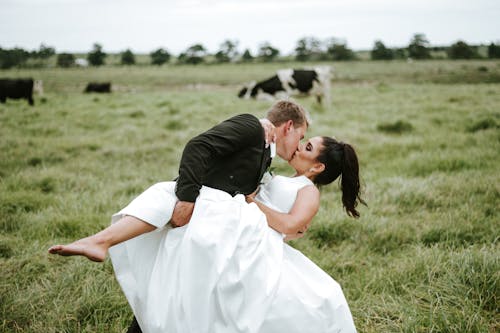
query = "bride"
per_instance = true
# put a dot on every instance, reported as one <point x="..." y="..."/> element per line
<point x="229" y="270"/>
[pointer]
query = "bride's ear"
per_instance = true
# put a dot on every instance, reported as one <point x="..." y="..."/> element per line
<point x="317" y="168"/>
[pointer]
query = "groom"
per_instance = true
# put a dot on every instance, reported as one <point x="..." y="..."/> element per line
<point x="233" y="156"/>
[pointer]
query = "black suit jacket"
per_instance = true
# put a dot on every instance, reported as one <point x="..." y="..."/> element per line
<point x="230" y="156"/>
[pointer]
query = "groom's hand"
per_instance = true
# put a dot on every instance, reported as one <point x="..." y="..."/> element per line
<point x="269" y="131"/>
<point x="182" y="213"/>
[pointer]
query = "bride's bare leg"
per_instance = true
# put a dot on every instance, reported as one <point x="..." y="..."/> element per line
<point x="96" y="247"/>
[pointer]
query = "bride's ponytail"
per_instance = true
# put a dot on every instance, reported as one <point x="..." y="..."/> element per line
<point x="349" y="181"/>
<point x="340" y="159"/>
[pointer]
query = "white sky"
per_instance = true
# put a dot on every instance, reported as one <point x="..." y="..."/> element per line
<point x="143" y="26"/>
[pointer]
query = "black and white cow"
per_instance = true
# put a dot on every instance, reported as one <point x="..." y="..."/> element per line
<point x="292" y="82"/>
<point x="98" y="87"/>
<point x="19" y="88"/>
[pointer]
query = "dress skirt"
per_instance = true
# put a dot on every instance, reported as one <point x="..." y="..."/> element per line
<point x="225" y="271"/>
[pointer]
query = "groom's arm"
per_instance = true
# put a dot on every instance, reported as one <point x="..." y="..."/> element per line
<point x="200" y="153"/>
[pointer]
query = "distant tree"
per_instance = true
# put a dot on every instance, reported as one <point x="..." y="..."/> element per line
<point x="460" y="50"/>
<point x="65" y="60"/>
<point x="400" y="53"/>
<point x="227" y="52"/>
<point x="127" y="57"/>
<point x="181" y="59"/>
<point x="44" y="52"/>
<point x="493" y="51"/>
<point x="419" y="47"/>
<point x="439" y="48"/>
<point x="247" y="56"/>
<point x="337" y="50"/>
<point x="308" y="48"/>
<point x="96" y="56"/>
<point x="194" y="54"/>
<point x="221" y="57"/>
<point x="267" y="53"/>
<point x="380" y="52"/>
<point x="13" y="57"/>
<point x="159" y="57"/>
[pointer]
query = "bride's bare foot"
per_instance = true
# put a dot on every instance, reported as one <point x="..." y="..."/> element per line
<point x="88" y="247"/>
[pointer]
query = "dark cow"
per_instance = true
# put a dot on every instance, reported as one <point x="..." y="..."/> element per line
<point x="291" y="82"/>
<point x="16" y="89"/>
<point x="98" y="87"/>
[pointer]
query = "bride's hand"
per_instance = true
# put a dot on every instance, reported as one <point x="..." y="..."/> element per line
<point x="297" y="235"/>
<point x="269" y="130"/>
<point x="290" y="237"/>
<point x="251" y="197"/>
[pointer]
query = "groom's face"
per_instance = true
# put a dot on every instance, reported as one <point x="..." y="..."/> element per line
<point x="288" y="145"/>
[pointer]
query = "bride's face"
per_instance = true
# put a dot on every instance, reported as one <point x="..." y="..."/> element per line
<point x="306" y="155"/>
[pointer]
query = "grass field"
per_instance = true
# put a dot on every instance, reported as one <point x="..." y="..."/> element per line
<point x="423" y="257"/>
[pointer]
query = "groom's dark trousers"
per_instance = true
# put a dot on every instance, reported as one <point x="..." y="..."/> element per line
<point x="134" y="327"/>
<point x="231" y="157"/>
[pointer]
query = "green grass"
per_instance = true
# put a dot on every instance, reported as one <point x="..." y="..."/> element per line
<point x="423" y="257"/>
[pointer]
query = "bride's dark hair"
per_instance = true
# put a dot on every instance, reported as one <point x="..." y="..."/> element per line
<point x="340" y="159"/>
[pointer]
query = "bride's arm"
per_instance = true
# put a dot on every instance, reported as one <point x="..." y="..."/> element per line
<point x="294" y="236"/>
<point x="303" y="210"/>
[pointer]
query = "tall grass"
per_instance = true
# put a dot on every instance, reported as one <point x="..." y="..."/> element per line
<point x="423" y="257"/>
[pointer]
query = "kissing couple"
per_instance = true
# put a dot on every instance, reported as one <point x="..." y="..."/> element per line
<point x="207" y="252"/>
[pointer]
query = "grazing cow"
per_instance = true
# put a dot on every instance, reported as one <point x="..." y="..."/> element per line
<point x="291" y="82"/>
<point x="81" y="62"/>
<point x="16" y="89"/>
<point x="98" y="87"/>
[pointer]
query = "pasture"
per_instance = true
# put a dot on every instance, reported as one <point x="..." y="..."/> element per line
<point x="423" y="257"/>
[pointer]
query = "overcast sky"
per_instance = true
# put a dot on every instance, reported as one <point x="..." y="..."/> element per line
<point x="143" y="26"/>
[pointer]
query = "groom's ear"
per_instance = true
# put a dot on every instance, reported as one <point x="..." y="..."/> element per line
<point x="288" y="126"/>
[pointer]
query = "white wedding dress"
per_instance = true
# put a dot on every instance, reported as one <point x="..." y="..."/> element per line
<point x="225" y="271"/>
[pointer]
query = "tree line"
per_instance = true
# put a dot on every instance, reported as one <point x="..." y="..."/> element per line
<point x="306" y="49"/>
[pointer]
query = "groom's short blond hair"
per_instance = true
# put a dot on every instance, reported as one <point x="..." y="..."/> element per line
<point x="282" y="111"/>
